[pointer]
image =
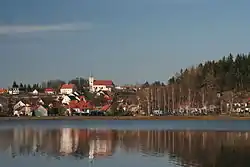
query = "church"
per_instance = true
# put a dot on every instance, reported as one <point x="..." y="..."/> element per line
<point x="100" y="85"/>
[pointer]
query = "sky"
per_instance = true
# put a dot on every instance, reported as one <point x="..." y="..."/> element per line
<point x="128" y="41"/>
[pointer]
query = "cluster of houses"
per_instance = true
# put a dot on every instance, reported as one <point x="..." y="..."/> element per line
<point x="67" y="97"/>
<point x="239" y="107"/>
<point x="69" y="104"/>
<point x="94" y="86"/>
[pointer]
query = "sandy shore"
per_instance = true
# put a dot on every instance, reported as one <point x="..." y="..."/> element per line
<point x="130" y="118"/>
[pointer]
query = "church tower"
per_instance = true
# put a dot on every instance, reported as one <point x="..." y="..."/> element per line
<point x="91" y="82"/>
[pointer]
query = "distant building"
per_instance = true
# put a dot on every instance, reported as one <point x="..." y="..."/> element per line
<point x="2" y="91"/>
<point x="68" y="89"/>
<point x="98" y="85"/>
<point x="49" y="91"/>
<point x="13" y="91"/>
<point x="35" y="92"/>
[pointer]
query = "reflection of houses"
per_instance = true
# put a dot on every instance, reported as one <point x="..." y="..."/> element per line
<point x="100" y="143"/>
<point x="100" y="147"/>
<point x="204" y="148"/>
<point x="66" y="141"/>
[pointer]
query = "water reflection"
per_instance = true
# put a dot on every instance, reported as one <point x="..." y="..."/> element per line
<point x="182" y="147"/>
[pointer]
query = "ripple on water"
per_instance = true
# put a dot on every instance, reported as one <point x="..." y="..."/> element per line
<point x="54" y="145"/>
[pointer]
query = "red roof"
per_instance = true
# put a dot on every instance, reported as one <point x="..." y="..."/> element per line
<point x="81" y="104"/>
<point x="103" y="82"/>
<point x="107" y="97"/>
<point x="2" y="90"/>
<point x="68" y="86"/>
<point x="106" y="107"/>
<point x="49" y="90"/>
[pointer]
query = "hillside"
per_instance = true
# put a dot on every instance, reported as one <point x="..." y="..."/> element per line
<point x="227" y="74"/>
<point x="212" y="82"/>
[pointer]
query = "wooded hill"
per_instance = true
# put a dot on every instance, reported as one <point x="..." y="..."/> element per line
<point x="212" y="82"/>
<point x="227" y="74"/>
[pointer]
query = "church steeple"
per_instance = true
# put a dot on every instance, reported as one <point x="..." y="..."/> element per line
<point x="91" y="82"/>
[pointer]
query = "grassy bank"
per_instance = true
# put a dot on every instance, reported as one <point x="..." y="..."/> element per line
<point x="130" y="118"/>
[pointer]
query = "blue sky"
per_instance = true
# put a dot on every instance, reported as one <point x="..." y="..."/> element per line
<point x="128" y="41"/>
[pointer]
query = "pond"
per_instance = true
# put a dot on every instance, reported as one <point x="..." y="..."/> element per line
<point x="124" y="143"/>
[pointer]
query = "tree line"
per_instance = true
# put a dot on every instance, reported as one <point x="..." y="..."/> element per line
<point x="212" y="82"/>
<point x="80" y="83"/>
<point x="231" y="73"/>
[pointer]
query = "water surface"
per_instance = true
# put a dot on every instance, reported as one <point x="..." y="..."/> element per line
<point x="125" y="143"/>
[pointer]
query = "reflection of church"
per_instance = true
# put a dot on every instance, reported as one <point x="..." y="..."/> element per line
<point x="69" y="140"/>
<point x="101" y="144"/>
<point x="186" y="146"/>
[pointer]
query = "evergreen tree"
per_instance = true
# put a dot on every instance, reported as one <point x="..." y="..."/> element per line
<point x="29" y="89"/>
<point x="20" y="85"/>
<point x="14" y="85"/>
<point x="227" y="76"/>
<point x="25" y="87"/>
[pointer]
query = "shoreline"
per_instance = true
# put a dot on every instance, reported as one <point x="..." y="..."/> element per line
<point x="128" y="118"/>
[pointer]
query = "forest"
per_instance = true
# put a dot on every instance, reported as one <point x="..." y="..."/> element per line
<point x="211" y="82"/>
<point x="231" y="73"/>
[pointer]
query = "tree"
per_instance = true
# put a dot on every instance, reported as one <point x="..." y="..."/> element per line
<point x="230" y="73"/>
<point x="80" y="83"/>
<point x="20" y="85"/>
<point x="25" y="87"/>
<point x="145" y="85"/>
<point x="14" y="85"/>
<point x="29" y="89"/>
<point x="35" y="86"/>
<point x="55" y="84"/>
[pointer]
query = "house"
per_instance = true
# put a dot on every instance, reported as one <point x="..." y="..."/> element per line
<point x="2" y="91"/>
<point x="40" y="111"/>
<point x="18" y="105"/>
<point x="66" y="100"/>
<point x="35" y="92"/>
<point x="49" y="91"/>
<point x="13" y="91"/>
<point x="68" y="89"/>
<point x="18" y="108"/>
<point x="98" y="85"/>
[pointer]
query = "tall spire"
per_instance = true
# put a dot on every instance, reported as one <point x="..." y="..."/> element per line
<point x="91" y="74"/>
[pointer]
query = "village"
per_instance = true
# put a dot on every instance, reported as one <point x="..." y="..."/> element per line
<point x="99" y="98"/>
<point x="104" y="98"/>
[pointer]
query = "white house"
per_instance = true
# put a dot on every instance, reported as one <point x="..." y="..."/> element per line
<point x="66" y="100"/>
<point x="13" y="91"/>
<point x="49" y="91"/>
<point x="68" y="89"/>
<point x="18" y="108"/>
<point x="98" y="85"/>
<point x="35" y="92"/>
<point x="18" y="105"/>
